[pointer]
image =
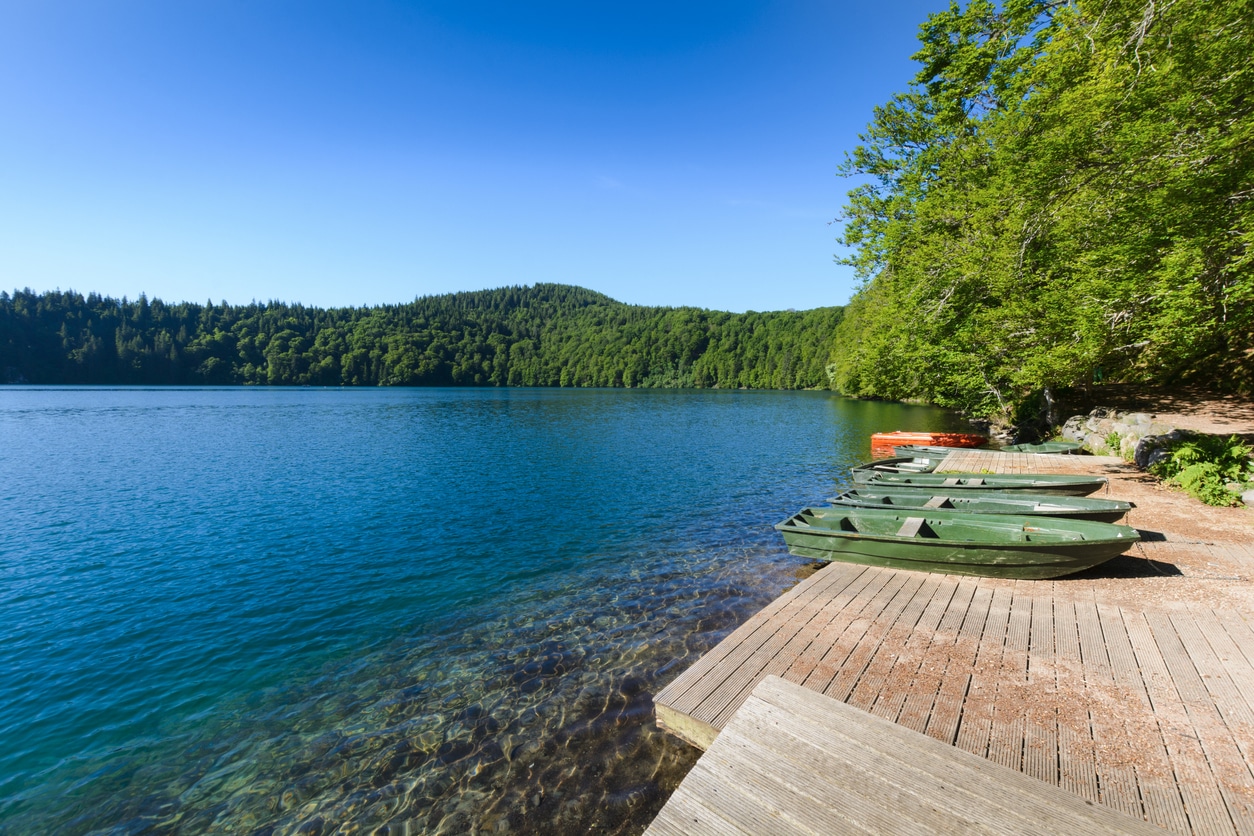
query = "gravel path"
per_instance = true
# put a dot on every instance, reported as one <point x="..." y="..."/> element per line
<point x="1188" y="408"/>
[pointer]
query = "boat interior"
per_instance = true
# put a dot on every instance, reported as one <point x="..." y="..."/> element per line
<point x="983" y="530"/>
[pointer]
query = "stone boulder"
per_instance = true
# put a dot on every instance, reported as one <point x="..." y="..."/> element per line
<point x="1151" y="449"/>
<point x="1110" y="432"/>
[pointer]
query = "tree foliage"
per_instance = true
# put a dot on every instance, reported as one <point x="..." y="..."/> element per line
<point x="546" y="335"/>
<point x="1064" y="194"/>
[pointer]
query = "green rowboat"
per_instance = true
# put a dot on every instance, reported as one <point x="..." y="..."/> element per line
<point x="948" y="483"/>
<point x="982" y="502"/>
<point x="954" y="542"/>
<point x="1068" y="448"/>
<point x="924" y="451"/>
<point x="897" y="464"/>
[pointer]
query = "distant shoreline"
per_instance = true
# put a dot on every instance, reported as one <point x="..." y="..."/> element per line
<point x="545" y="336"/>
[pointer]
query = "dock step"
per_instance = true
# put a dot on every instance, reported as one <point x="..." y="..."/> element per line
<point x="792" y="761"/>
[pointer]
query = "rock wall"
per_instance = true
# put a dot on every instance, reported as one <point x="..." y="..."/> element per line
<point x="1136" y="436"/>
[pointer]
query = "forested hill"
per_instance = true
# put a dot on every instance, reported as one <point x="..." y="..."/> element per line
<point x="545" y="335"/>
<point x="1064" y="195"/>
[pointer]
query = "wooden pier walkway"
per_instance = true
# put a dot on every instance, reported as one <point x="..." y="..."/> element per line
<point x="795" y="762"/>
<point x="978" y="461"/>
<point x="1131" y="687"/>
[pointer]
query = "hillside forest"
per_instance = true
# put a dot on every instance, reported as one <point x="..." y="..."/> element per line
<point x="544" y="335"/>
<point x="1063" y="196"/>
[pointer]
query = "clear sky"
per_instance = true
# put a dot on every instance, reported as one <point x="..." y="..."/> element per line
<point x="365" y="152"/>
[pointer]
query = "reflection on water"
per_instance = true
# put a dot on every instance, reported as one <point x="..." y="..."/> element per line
<point x="380" y="612"/>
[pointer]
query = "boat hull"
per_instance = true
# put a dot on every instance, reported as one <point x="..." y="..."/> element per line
<point x="884" y="442"/>
<point x="955" y="543"/>
<point x="1046" y="483"/>
<point x="987" y="502"/>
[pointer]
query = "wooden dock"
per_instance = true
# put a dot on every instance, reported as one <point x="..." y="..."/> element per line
<point x="977" y="461"/>
<point x="795" y="762"/>
<point x="1131" y="686"/>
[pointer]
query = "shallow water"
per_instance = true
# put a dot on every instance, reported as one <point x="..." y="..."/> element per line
<point x="381" y="611"/>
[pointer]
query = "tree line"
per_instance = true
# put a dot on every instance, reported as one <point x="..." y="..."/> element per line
<point x="542" y="335"/>
<point x="1063" y="196"/>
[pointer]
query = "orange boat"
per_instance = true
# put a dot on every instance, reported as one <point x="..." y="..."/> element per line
<point x="883" y="443"/>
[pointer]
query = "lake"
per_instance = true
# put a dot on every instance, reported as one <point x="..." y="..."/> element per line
<point x="383" y="610"/>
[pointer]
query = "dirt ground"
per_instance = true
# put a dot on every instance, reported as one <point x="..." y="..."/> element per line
<point x="1188" y="408"/>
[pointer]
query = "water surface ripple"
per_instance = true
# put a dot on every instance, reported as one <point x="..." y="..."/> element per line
<point x="380" y="611"/>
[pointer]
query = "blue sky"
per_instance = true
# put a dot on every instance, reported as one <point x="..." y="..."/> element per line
<point x="370" y="152"/>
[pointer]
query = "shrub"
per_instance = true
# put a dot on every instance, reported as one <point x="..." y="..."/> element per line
<point x="1204" y="465"/>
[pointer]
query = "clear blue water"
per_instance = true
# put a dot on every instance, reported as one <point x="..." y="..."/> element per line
<point x="391" y="610"/>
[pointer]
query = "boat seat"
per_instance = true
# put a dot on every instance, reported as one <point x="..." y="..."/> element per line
<point x="938" y="502"/>
<point x="977" y="481"/>
<point x="952" y="481"/>
<point x="911" y="527"/>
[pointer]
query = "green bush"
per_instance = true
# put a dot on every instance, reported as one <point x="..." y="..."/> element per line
<point x="1112" y="443"/>
<point x="1204" y="465"/>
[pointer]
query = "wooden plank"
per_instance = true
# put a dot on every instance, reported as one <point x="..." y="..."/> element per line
<point x="993" y="461"/>
<point x="787" y="784"/>
<point x="687" y="813"/>
<point x="916" y="706"/>
<point x="1217" y="677"/>
<point x="861" y="603"/>
<point x="1077" y="759"/>
<point x="1040" y="738"/>
<point x="869" y="758"/>
<point x="763" y="634"/>
<point x="806" y="599"/>
<point x="1116" y="778"/>
<point x="1232" y="773"/>
<point x="731" y="792"/>
<point x="977" y="707"/>
<point x="945" y="717"/>
<point x="815" y="765"/>
<point x="906" y="608"/>
<point x="893" y="681"/>
<point x="801" y="748"/>
<point x="1239" y="631"/>
<point x="839" y="610"/>
<point x="1160" y="793"/>
<point x="789" y="646"/>
<point x="1203" y="802"/>
<point x="832" y="646"/>
<point x="1234" y="662"/>
<point x="1006" y="728"/>
<point x="695" y="732"/>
